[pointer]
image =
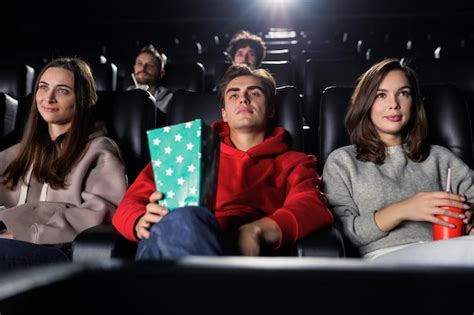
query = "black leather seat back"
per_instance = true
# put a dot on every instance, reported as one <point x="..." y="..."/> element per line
<point x="288" y="115"/>
<point x="16" y="79"/>
<point x="186" y="106"/>
<point x="128" y="115"/>
<point x="448" y="118"/>
<point x="332" y="133"/>
<point x="20" y="115"/>
<point x="322" y="74"/>
<point x="459" y="72"/>
<point x="184" y="76"/>
<point x="219" y="69"/>
<point x="8" y="112"/>
<point x="277" y="55"/>
<point x="282" y="71"/>
<point x="105" y="75"/>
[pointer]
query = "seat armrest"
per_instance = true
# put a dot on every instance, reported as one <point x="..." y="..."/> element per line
<point x="326" y="242"/>
<point x="101" y="243"/>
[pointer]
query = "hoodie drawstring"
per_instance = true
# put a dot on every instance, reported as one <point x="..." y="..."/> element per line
<point x="25" y="186"/>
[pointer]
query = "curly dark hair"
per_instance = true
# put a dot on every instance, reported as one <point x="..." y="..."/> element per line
<point x="243" y="39"/>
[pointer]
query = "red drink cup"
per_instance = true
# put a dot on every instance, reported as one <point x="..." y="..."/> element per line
<point x="441" y="232"/>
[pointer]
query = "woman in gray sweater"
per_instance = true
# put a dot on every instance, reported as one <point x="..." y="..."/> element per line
<point x="388" y="187"/>
<point x="65" y="175"/>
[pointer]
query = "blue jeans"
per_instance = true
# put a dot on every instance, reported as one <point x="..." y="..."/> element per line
<point x="16" y="254"/>
<point x="182" y="232"/>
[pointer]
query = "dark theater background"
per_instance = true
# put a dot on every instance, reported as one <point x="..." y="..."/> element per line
<point x="312" y="45"/>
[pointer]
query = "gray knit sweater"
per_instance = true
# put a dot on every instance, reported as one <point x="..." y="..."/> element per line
<point x="356" y="190"/>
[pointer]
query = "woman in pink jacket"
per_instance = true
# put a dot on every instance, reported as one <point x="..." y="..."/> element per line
<point x="64" y="177"/>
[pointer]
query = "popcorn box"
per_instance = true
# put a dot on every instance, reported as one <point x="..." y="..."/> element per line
<point x="185" y="159"/>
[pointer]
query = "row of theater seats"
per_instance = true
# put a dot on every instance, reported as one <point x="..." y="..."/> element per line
<point x="448" y="117"/>
<point x="17" y="81"/>
<point x="296" y="48"/>
<point x="128" y="114"/>
<point x="16" y="84"/>
<point x="310" y="79"/>
<point x="188" y="285"/>
<point x="282" y="45"/>
<point x="365" y="45"/>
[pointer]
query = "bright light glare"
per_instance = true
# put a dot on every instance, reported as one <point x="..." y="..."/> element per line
<point x="280" y="11"/>
<point x="280" y="3"/>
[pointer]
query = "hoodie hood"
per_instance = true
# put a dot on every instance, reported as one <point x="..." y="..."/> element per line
<point x="274" y="143"/>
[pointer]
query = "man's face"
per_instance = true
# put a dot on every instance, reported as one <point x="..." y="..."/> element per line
<point x="146" y="69"/>
<point x="245" y="104"/>
<point x="245" y="55"/>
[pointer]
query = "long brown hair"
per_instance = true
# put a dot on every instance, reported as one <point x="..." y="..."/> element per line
<point x="53" y="160"/>
<point x="361" y="129"/>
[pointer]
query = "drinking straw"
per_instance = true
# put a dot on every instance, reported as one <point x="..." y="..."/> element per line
<point x="135" y="80"/>
<point x="448" y="181"/>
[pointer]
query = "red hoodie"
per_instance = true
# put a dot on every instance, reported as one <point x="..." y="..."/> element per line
<point x="267" y="180"/>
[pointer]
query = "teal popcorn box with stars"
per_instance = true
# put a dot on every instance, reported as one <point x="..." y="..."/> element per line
<point x="185" y="158"/>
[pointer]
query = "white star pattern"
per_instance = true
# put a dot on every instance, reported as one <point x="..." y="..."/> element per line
<point x="176" y="157"/>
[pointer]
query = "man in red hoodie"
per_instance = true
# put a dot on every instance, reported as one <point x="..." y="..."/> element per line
<point x="267" y="196"/>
